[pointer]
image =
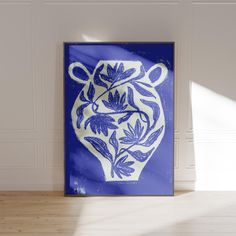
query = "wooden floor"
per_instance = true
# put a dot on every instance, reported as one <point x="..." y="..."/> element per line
<point x="52" y="214"/>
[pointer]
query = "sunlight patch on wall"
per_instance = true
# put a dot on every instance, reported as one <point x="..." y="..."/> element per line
<point x="88" y="38"/>
<point x="214" y="131"/>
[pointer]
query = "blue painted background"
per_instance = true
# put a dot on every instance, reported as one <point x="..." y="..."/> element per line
<point x="83" y="172"/>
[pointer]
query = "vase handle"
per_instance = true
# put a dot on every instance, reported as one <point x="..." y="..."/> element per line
<point x="162" y="76"/>
<point x="84" y="69"/>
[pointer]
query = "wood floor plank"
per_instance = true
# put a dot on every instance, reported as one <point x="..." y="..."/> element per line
<point x="52" y="214"/>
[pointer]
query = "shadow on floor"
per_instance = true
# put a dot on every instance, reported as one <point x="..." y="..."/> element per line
<point x="196" y="213"/>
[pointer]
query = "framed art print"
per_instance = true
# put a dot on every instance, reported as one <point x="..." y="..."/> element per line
<point x="119" y="118"/>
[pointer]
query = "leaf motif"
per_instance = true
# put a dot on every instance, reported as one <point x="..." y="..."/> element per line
<point x="107" y="104"/>
<point x="91" y="92"/>
<point x="100" y="146"/>
<point x="113" y="141"/>
<point x="120" y="68"/>
<point x="142" y="90"/>
<point x="138" y="128"/>
<point x="122" y="100"/>
<point x="110" y="70"/>
<point x="131" y="98"/>
<point x="126" y="74"/>
<point x="145" y="84"/>
<point x="142" y="117"/>
<point x="132" y="135"/>
<point x="82" y="97"/>
<point x="154" y="106"/>
<point x="152" y="138"/>
<point x="100" y="123"/>
<point x="124" y="118"/>
<point x="106" y="78"/>
<point x="141" y="74"/>
<point x="115" y="102"/>
<point x="80" y="115"/>
<point x="129" y="72"/>
<point x="127" y="140"/>
<point x="115" y="67"/>
<point x="131" y="129"/>
<point x="140" y="156"/>
<point x="116" y="97"/>
<point x="110" y="97"/>
<point x="123" y="168"/>
<point x="97" y="79"/>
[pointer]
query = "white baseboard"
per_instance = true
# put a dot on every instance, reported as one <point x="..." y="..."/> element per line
<point x="184" y="185"/>
<point x="179" y="186"/>
<point x="37" y="187"/>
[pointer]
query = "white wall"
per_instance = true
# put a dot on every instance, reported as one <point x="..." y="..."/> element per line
<point x="31" y="82"/>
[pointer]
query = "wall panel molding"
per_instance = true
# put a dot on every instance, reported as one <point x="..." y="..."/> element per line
<point x="15" y="2"/>
<point x="20" y="80"/>
<point x="176" y="154"/>
<point x="108" y="2"/>
<point x="32" y="151"/>
<point x="35" y="154"/>
<point x="18" y="155"/>
<point x="213" y="2"/>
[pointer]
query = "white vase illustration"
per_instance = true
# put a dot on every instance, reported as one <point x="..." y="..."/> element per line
<point x="118" y="115"/>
